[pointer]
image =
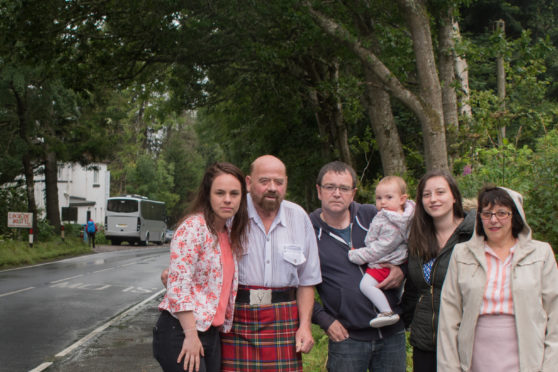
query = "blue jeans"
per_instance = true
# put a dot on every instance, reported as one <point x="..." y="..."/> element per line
<point x="384" y="355"/>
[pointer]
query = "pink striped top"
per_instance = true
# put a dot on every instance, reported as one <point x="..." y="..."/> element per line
<point x="497" y="297"/>
<point x="227" y="263"/>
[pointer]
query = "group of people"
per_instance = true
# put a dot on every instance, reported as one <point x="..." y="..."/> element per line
<point x="479" y="293"/>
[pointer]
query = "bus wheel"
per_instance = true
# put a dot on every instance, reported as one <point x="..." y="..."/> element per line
<point x="146" y="241"/>
<point x="161" y="239"/>
<point x="115" y="241"/>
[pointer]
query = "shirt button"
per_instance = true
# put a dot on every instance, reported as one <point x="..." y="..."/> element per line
<point x="267" y="262"/>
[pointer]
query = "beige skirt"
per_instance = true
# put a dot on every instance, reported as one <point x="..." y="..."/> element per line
<point x="495" y="348"/>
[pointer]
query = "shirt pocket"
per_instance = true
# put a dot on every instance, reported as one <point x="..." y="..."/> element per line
<point x="293" y="254"/>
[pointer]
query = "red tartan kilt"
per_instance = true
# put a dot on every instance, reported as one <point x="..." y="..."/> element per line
<point x="262" y="339"/>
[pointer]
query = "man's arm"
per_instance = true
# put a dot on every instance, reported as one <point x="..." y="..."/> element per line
<point x="331" y="326"/>
<point x="305" y="303"/>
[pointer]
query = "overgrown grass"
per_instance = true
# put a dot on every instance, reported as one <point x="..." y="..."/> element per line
<point x="315" y="361"/>
<point x="18" y="253"/>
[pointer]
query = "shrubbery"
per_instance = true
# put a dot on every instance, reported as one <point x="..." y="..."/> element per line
<point x="532" y="173"/>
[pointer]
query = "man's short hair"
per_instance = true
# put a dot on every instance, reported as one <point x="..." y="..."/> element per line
<point x="336" y="167"/>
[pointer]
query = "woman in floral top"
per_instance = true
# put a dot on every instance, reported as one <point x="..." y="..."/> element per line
<point x="202" y="279"/>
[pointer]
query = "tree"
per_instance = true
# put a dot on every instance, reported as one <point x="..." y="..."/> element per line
<point x="428" y="105"/>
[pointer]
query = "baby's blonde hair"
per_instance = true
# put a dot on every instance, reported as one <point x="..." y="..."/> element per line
<point x="400" y="182"/>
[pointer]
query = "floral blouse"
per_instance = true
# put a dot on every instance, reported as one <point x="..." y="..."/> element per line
<point x="195" y="274"/>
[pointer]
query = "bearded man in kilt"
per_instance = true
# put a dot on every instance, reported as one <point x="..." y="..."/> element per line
<point x="277" y="275"/>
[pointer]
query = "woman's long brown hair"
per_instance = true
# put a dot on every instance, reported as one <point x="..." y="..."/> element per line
<point x="422" y="237"/>
<point x="202" y="203"/>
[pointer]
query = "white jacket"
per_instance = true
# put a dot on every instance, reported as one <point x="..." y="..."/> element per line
<point x="534" y="283"/>
<point x="386" y="240"/>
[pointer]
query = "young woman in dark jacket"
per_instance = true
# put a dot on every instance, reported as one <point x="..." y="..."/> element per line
<point x="438" y="225"/>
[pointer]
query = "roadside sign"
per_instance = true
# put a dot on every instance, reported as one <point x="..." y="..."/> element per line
<point x="20" y="219"/>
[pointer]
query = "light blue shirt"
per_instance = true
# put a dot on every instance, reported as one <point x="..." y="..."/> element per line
<point x="287" y="256"/>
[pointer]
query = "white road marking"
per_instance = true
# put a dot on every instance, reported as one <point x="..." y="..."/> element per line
<point x="96" y="332"/>
<point x="14" y="292"/>
<point x="63" y="280"/>
<point x="98" y="271"/>
<point x="128" y="264"/>
<point x="41" y="367"/>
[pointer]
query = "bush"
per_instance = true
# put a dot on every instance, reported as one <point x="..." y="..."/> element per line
<point x="45" y="231"/>
<point x="533" y="174"/>
<point x="541" y="203"/>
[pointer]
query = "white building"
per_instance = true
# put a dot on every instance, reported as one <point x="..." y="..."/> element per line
<point x="82" y="192"/>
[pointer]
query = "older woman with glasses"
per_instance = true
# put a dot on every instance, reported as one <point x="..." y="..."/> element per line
<point x="499" y="309"/>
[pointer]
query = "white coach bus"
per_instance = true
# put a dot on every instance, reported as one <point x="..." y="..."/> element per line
<point x="135" y="219"/>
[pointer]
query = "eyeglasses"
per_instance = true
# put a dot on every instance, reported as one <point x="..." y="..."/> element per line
<point x="342" y="188"/>
<point x="501" y="215"/>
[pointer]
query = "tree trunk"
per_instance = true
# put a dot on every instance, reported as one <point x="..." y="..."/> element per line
<point x="342" y="137"/>
<point x="27" y="159"/>
<point x="322" y="127"/>
<point x="447" y="74"/>
<point x="383" y="125"/>
<point x="462" y="76"/>
<point x="427" y="107"/>
<point x="30" y="188"/>
<point x="328" y="109"/>
<point x="51" y="186"/>
<point x="418" y="20"/>
<point x="501" y="78"/>
<point x="378" y="105"/>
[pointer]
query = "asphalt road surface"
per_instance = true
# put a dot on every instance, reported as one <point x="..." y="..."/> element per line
<point x="45" y="308"/>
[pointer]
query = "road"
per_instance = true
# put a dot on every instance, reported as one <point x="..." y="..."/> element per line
<point x="45" y="308"/>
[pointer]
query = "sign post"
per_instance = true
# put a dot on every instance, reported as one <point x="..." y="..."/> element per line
<point x="22" y="220"/>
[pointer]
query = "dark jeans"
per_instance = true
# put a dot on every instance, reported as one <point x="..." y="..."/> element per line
<point x="167" y="343"/>
<point x="91" y="237"/>
<point x="424" y="361"/>
<point x="387" y="354"/>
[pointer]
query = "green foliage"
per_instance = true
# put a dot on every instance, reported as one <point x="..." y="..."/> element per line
<point x="17" y="253"/>
<point x="532" y="173"/>
<point x="541" y="205"/>
<point x="505" y="166"/>
<point x="152" y="178"/>
<point x="45" y="231"/>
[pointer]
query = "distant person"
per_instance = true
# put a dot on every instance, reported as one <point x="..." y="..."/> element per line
<point x="439" y="223"/>
<point x="499" y="309"/>
<point x="203" y="274"/>
<point x="91" y="230"/>
<point x="386" y="242"/>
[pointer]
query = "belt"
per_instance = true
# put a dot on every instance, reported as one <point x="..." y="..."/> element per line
<point x="265" y="296"/>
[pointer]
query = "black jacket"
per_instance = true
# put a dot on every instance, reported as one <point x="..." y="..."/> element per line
<point x="339" y="290"/>
<point x="421" y="301"/>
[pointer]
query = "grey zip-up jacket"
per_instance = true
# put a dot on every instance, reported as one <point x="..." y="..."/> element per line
<point x="534" y="283"/>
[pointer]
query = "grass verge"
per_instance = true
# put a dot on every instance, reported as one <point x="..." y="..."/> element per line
<point x="15" y="253"/>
